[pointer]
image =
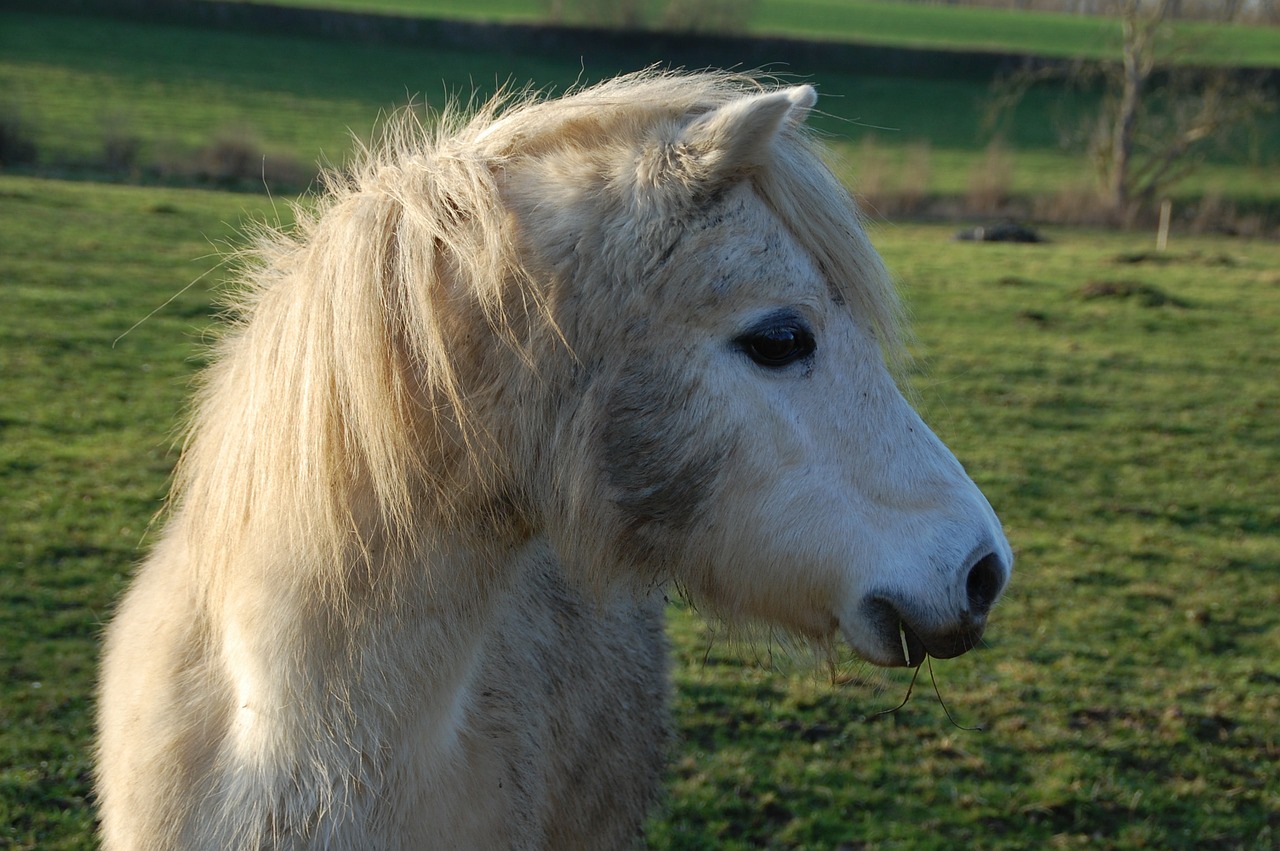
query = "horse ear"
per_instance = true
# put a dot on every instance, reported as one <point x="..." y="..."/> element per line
<point x="735" y="139"/>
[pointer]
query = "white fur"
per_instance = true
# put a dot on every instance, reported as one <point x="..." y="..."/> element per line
<point x="484" y="403"/>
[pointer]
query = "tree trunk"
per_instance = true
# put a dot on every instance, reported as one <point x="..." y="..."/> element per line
<point x="1126" y="119"/>
<point x="1140" y="22"/>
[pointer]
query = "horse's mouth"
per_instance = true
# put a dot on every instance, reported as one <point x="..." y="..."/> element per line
<point x="906" y="644"/>
<point x="913" y="649"/>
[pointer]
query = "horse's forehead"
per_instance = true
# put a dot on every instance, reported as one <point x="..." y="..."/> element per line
<point x="736" y="242"/>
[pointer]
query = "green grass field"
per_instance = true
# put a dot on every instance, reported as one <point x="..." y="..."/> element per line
<point x="79" y="81"/>
<point x="896" y="23"/>
<point x="1118" y="408"/>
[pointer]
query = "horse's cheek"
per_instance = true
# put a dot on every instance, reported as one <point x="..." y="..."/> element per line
<point x="655" y="457"/>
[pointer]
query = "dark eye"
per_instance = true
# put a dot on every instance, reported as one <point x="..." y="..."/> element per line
<point x="778" y="343"/>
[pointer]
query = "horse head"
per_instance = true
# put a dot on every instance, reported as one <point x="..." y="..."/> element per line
<point x="725" y="411"/>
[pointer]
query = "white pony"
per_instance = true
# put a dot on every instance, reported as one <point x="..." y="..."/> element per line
<point x="475" y="412"/>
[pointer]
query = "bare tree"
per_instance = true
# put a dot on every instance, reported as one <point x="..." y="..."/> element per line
<point x="1140" y="27"/>
<point x="1157" y="117"/>
<point x="1161" y="115"/>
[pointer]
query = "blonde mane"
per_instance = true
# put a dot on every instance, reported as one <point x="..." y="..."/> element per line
<point x="334" y="397"/>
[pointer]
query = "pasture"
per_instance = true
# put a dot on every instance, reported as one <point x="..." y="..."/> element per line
<point x="1117" y="406"/>
<point x="163" y="92"/>
<point x="887" y="22"/>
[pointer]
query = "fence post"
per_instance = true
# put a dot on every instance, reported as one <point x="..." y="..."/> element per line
<point x="1162" y="236"/>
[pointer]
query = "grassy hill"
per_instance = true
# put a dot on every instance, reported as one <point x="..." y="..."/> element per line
<point x="1117" y="407"/>
<point x="170" y="96"/>
<point x="896" y="23"/>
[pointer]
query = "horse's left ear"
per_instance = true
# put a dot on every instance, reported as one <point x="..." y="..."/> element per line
<point x="734" y="139"/>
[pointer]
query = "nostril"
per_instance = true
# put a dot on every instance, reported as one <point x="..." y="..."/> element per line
<point x="986" y="579"/>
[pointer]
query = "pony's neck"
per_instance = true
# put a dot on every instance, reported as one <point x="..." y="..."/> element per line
<point x="331" y="699"/>
<point x="389" y="654"/>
